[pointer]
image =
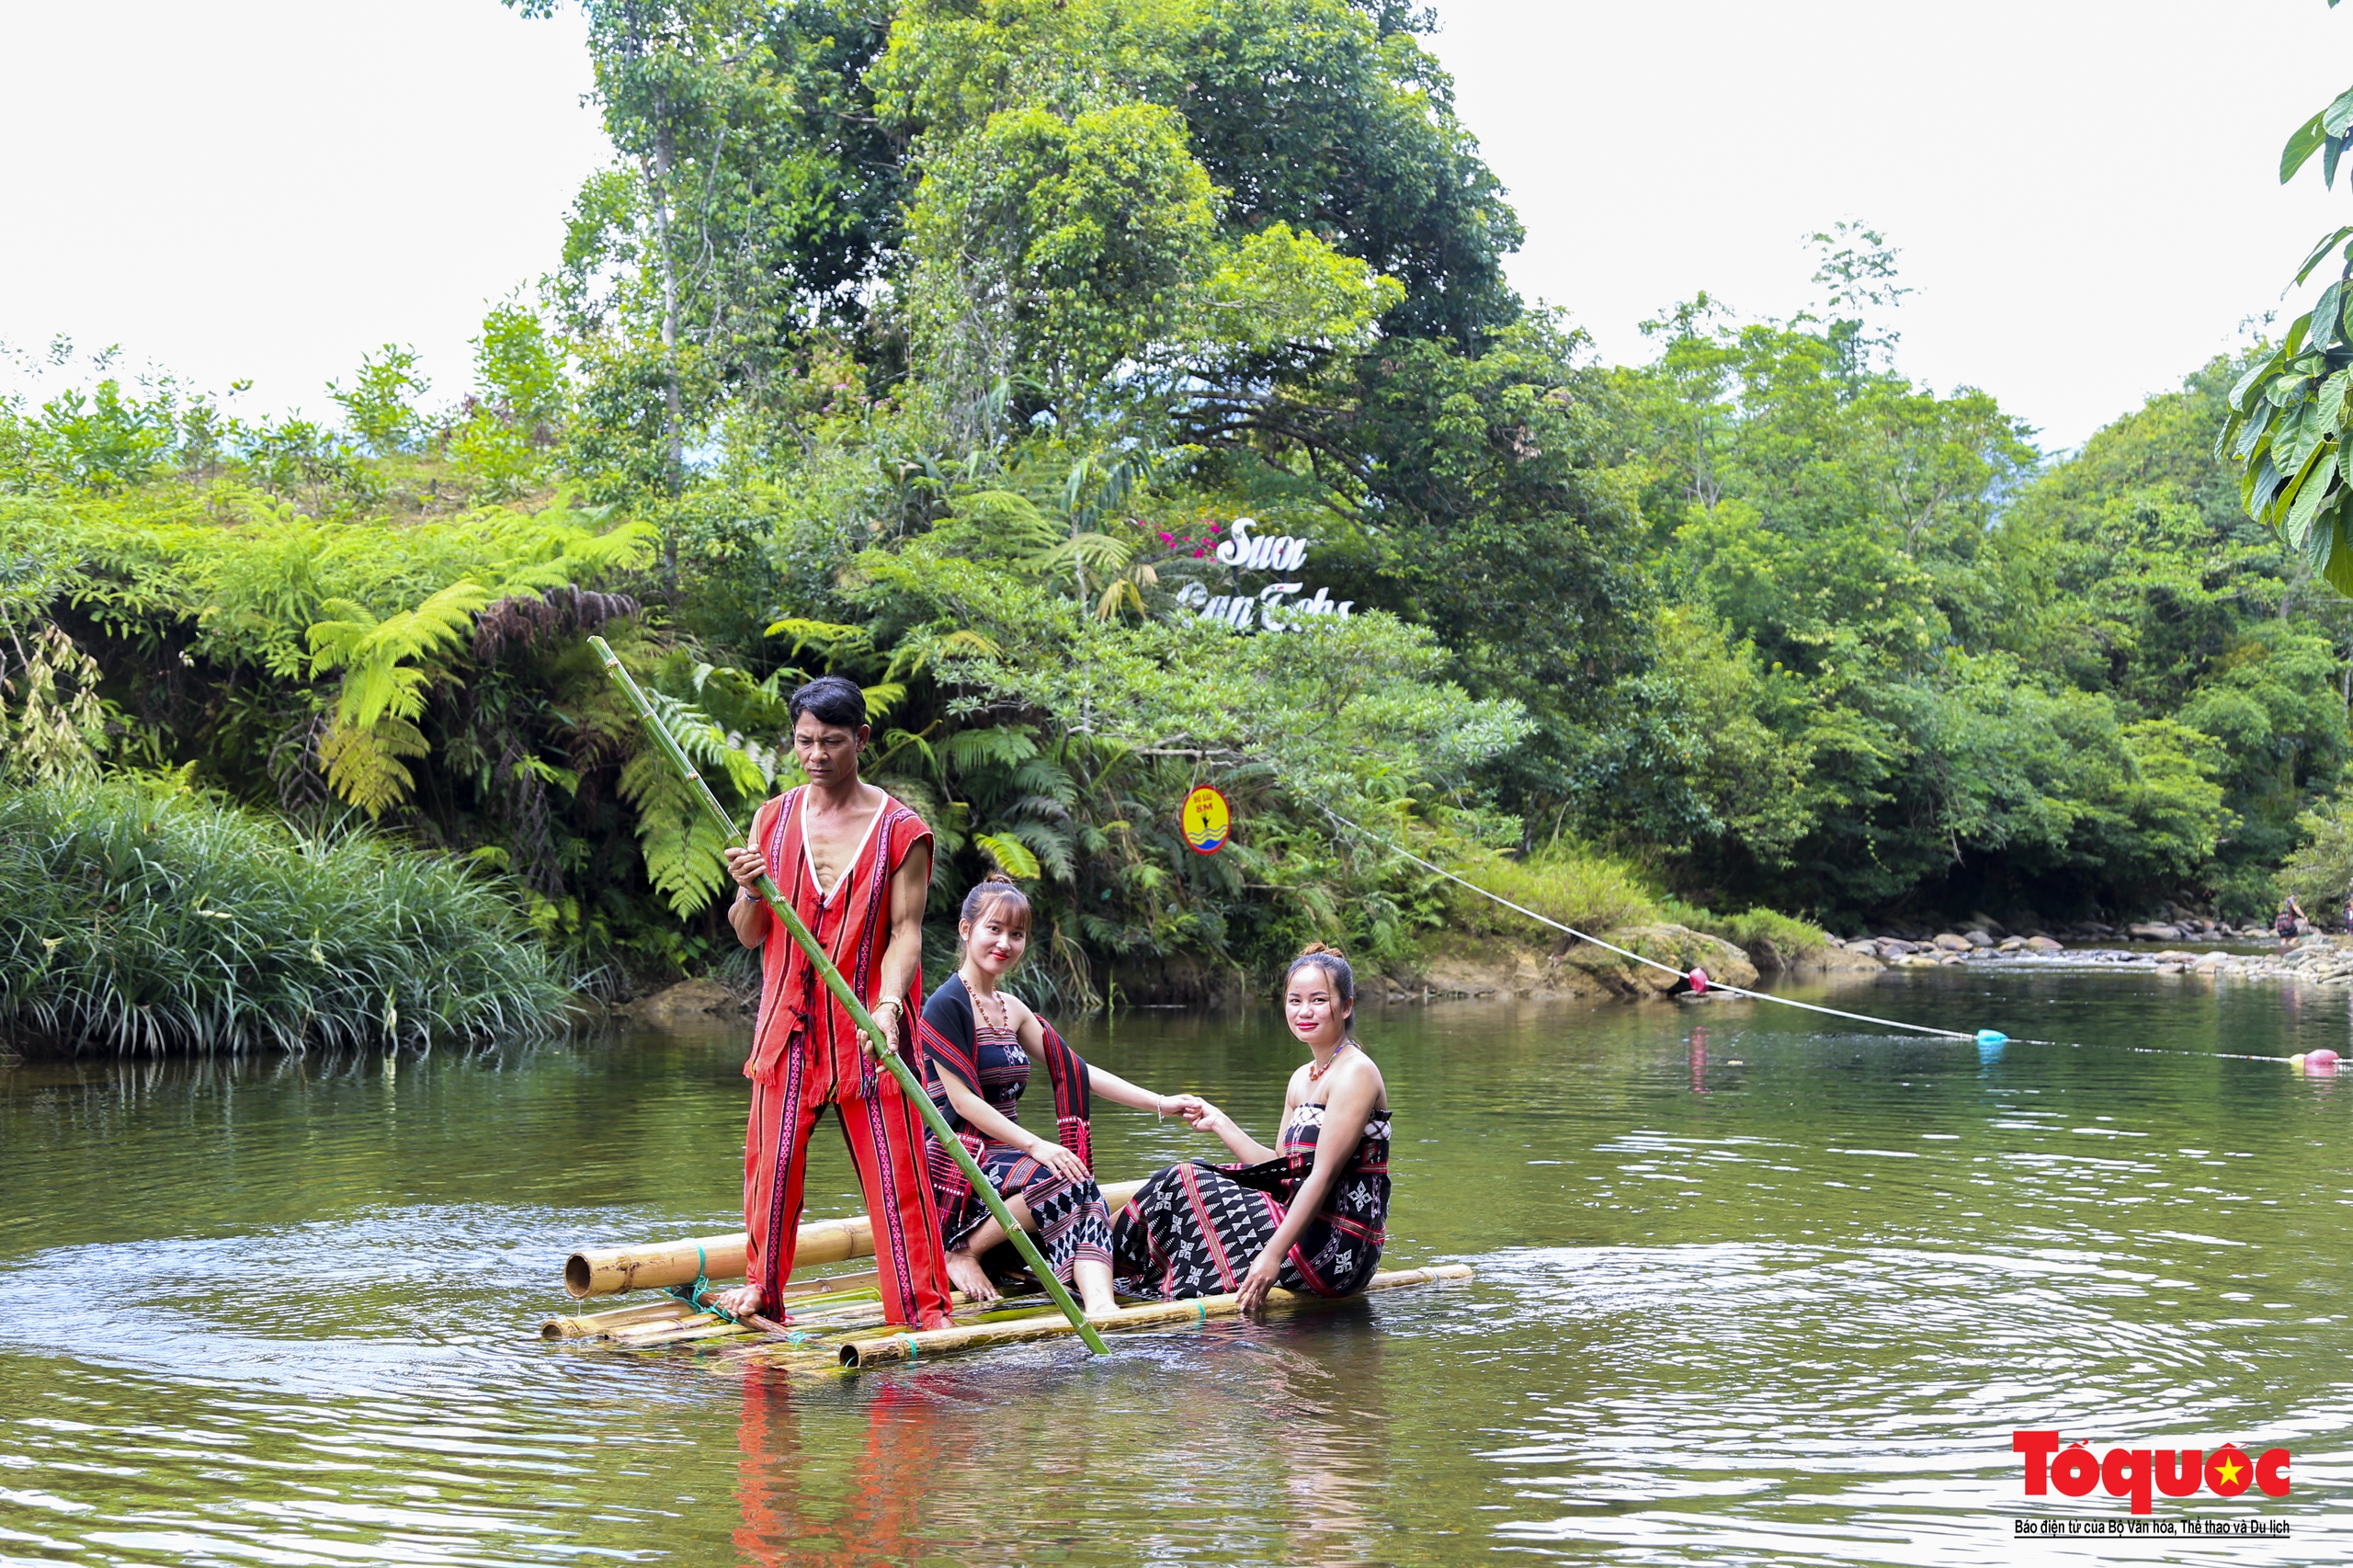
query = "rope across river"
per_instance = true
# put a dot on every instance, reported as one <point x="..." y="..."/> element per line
<point x="1982" y="1036"/>
<point x="1985" y="1037"/>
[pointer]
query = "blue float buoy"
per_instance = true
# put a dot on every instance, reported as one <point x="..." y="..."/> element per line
<point x="1992" y="1036"/>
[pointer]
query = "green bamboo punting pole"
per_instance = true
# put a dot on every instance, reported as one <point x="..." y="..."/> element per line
<point x="856" y="1009"/>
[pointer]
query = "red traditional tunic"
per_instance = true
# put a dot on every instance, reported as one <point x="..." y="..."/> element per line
<point x="806" y="1055"/>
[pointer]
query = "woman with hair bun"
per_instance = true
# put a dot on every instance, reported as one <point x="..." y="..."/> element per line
<point x="1307" y="1215"/>
<point x="980" y="1046"/>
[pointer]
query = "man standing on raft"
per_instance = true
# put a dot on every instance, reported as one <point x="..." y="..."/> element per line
<point x="855" y="864"/>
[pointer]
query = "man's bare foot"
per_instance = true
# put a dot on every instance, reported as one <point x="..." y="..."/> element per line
<point x="742" y="1302"/>
<point x="965" y="1272"/>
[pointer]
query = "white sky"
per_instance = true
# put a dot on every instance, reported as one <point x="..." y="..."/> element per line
<point x="2083" y="190"/>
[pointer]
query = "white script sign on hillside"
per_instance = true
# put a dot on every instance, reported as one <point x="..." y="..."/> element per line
<point x="1269" y="607"/>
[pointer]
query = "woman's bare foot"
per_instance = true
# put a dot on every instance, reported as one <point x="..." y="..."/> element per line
<point x="1095" y="1291"/>
<point x="965" y="1272"/>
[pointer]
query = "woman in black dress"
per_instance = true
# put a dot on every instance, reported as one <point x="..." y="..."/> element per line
<point x="1308" y="1214"/>
<point x="980" y="1047"/>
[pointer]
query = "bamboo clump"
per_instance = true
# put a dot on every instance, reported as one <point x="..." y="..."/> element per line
<point x="882" y="1351"/>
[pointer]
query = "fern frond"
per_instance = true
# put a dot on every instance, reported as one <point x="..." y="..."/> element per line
<point x="1051" y="844"/>
<point x="362" y="761"/>
<point x="838" y="640"/>
<point x="684" y="852"/>
<point x="1012" y="857"/>
<point x="1043" y="775"/>
<point x="1000" y="746"/>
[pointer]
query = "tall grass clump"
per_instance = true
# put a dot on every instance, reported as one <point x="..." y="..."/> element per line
<point x="1567" y="882"/>
<point x="131" y="922"/>
<point x="1774" y="940"/>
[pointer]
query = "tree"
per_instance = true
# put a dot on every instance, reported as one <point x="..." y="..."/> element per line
<point x="2290" y="426"/>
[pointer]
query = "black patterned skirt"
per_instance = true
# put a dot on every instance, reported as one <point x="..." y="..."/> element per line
<point x="1074" y="1222"/>
<point x="1195" y="1229"/>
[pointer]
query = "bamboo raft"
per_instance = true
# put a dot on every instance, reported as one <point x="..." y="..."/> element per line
<point x="837" y="1320"/>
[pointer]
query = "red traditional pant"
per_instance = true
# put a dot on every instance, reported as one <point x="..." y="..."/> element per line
<point x="885" y="1137"/>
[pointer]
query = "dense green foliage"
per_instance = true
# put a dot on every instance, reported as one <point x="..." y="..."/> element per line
<point x="2289" y="424"/>
<point x="943" y="345"/>
<point x="1907" y="666"/>
<point x="132" y="920"/>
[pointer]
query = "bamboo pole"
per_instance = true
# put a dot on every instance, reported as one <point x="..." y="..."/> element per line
<point x="611" y="1271"/>
<point x="807" y="943"/>
<point x="885" y="1349"/>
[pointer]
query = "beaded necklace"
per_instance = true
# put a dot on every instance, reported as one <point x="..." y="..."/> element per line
<point x="1317" y="1069"/>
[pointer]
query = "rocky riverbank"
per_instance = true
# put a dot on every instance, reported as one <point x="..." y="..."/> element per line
<point x="2317" y="960"/>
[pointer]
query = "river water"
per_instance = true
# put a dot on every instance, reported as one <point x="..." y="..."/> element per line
<point x="1780" y="1293"/>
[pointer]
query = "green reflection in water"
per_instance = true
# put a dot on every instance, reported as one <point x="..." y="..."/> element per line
<point x="281" y="1311"/>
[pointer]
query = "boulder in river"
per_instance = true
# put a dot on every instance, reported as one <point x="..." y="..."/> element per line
<point x="689" y="1004"/>
<point x="1948" y="942"/>
<point x="1676" y="945"/>
<point x="2150" y="931"/>
<point x="2044" y="945"/>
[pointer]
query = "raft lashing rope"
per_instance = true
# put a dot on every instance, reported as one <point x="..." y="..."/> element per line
<point x="1696" y="978"/>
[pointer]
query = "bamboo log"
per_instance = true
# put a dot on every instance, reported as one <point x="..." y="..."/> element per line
<point x="596" y="1325"/>
<point x="609" y="1271"/>
<point x="883" y="1350"/>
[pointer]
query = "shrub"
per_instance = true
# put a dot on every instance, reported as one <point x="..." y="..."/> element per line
<point x="1772" y="940"/>
<point x="136" y="922"/>
<point x="1575" y="885"/>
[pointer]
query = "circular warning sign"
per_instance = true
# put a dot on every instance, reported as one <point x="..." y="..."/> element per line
<point x="1207" y="820"/>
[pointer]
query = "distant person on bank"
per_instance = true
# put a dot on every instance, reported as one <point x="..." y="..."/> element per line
<point x="856" y="866"/>
<point x="2290" y="922"/>
<point x="982" y="1046"/>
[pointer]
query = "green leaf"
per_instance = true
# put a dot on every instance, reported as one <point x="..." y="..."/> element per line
<point x="2258" y="427"/>
<point x="2243" y="394"/>
<point x="2322" y="250"/>
<point x="2328" y="316"/>
<point x="2258" y="486"/>
<point x="2297" y="330"/>
<point x="2231" y="427"/>
<point x="2338" y="117"/>
<point x="2313" y="490"/>
<point x="2338" y="565"/>
<point x="2330" y="400"/>
<point x="2300" y="146"/>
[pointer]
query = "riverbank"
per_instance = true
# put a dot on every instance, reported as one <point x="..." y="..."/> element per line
<point x="2312" y="961"/>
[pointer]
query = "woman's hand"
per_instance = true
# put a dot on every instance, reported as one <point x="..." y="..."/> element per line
<point x="1260" y="1280"/>
<point x="1063" y="1162"/>
<point x="1186" y="1106"/>
<point x="746" y="866"/>
<point x="1201" y="1115"/>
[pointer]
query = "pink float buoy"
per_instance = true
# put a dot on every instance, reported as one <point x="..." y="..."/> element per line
<point x="2323" y="1061"/>
<point x="1699" y="978"/>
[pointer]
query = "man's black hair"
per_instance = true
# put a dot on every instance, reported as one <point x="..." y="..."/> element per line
<point x="831" y="700"/>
